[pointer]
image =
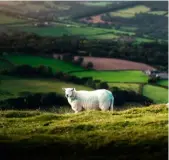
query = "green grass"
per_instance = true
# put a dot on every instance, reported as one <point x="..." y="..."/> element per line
<point x="83" y="31"/>
<point x="157" y="94"/>
<point x="99" y="4"/>
<point x="103" y="36"/>
<point x="163" y="82"/>
<point x="158" y="12"/>
<point x="137" y="133"/>
<point x="114" y="76"/>
<point x="55" y="64"/>
<point x="59" y="31"/>
<point x="11" y="87"/>
<point x="138" y="39"/>
<point x="5" y="64"/>
<point x="126" y="86"/>
<point x="130" y="12"/>
<point x="4" y="19"/>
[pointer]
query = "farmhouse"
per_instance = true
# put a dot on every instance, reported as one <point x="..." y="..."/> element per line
<point x="156" y="73"/>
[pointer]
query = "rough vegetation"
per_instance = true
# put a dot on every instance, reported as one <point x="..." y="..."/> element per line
<point x="130" y="134"/>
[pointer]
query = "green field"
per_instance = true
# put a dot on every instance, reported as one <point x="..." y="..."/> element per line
<point x="60" y="30"/>
<point x="157" y="94"/>
<point x="55" y="64"/>
<point x="114" y="76"/>
<point x="126" y="86"/>
<point x="75" y="30"/>
<point x="99" y="4"/>
<point x="130" y="12"/>
<point x="163" y="82"/>
<point x="4" y="19"/>
<point x="11" y="87"/>
<point x="5" y="64"/>
<point x="158" y="12"/>
<point x="104" y="36"/>
<point x="137" y="133"/>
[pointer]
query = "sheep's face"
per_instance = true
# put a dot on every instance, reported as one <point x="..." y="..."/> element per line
<point x="69" y="92"/>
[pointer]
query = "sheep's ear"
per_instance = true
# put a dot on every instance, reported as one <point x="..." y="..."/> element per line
<point x="73" y="89"/>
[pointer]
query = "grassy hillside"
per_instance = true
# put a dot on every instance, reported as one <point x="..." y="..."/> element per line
<point x="55" y="64"/>
<point x="126" y="86"/>
<point x="137" y="133"/>
<point x="130" y="12"/>
<point x="114" y="76"/>
<point x="157" y="94"/>
<point x="12" y="87"/>
<point x="163" y="82"/>
<point x="5" y="19"/>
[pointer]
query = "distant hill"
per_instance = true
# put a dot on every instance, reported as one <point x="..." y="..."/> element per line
<point x="148" y="20"/>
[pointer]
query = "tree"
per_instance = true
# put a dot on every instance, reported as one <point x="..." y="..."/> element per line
<point x="89" y="65"/>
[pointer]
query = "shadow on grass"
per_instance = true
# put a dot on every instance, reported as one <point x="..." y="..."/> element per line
<point x="118" y="150"/>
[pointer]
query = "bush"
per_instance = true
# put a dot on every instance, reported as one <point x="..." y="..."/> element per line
<point x="153" y="79"/>
<point x="103" y="85"/>
<point x="79" y="61"/>
<point x="89" y="65"/>
<point x="68" y="58"/>
<point x="34" y="101"/>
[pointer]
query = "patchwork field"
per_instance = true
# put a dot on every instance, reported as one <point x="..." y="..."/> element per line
<point x="157" y="94"/>
<point x="99" y="4"/>
<point x="142" y="133"/>
<point x="5" y="19"/>
<point x="114" y="64"/>
<point x="158" y="12"/>
<point x="126" y="86"/>
<point x="12" y="87"/>
<point x="163" y="82"/>
<point x="55" y="64"/>
<point x="114" y="76"/>
<point x="59" y="31"/>
<point x="130" y="12"/>
<point x="5" y="64"/>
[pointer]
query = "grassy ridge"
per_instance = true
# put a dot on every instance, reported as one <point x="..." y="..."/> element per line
<point x="4" y="19"/>
<point x="12" y="87"/>
<point x="130" y="12"/>
<point x="114" y="76"/>
<point x="140" y="133"/>
<point x="163" y="82"/>
<point x="124" y="86"/>
<point x="157" y="94"/>
<point x="55" y="64"/>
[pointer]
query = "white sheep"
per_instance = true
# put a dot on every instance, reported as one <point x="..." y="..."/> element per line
<point x="100" y="99"/>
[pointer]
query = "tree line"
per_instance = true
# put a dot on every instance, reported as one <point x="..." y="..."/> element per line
<point x="28" y="100"/>
<point x="154" y="53"/>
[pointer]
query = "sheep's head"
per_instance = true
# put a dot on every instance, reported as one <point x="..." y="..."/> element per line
<point x="69" y="92"/>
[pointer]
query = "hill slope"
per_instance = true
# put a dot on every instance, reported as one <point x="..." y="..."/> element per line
<point x="138" y="133"/>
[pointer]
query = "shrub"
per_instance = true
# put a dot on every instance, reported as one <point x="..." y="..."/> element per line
<point x="89" y="65"/>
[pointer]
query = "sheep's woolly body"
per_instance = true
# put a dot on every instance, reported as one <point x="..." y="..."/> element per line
<point x="91" y="100"/>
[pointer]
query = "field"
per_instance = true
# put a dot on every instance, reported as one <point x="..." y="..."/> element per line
<point x="59" y="31"/>
<point x="126" y="86"/>
<point x="4" y="19"/>
<point x="130" y="12"/>
<point x="157" y="94"/>
<point x="140" y="133"/>
<point x="55" y="64"/>
<point x="99" y="4"/>
<point x="114" y="76"/>
<point x="163" y="82"/>
<point x="114" y="64"/>
<point x="12" y="87"/>
<point x="104" y="36"/>
<point x="158" y="12"/>
<point x="5" y="64"/>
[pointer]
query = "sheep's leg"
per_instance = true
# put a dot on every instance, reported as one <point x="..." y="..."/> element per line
<point x="77" y="108"/>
